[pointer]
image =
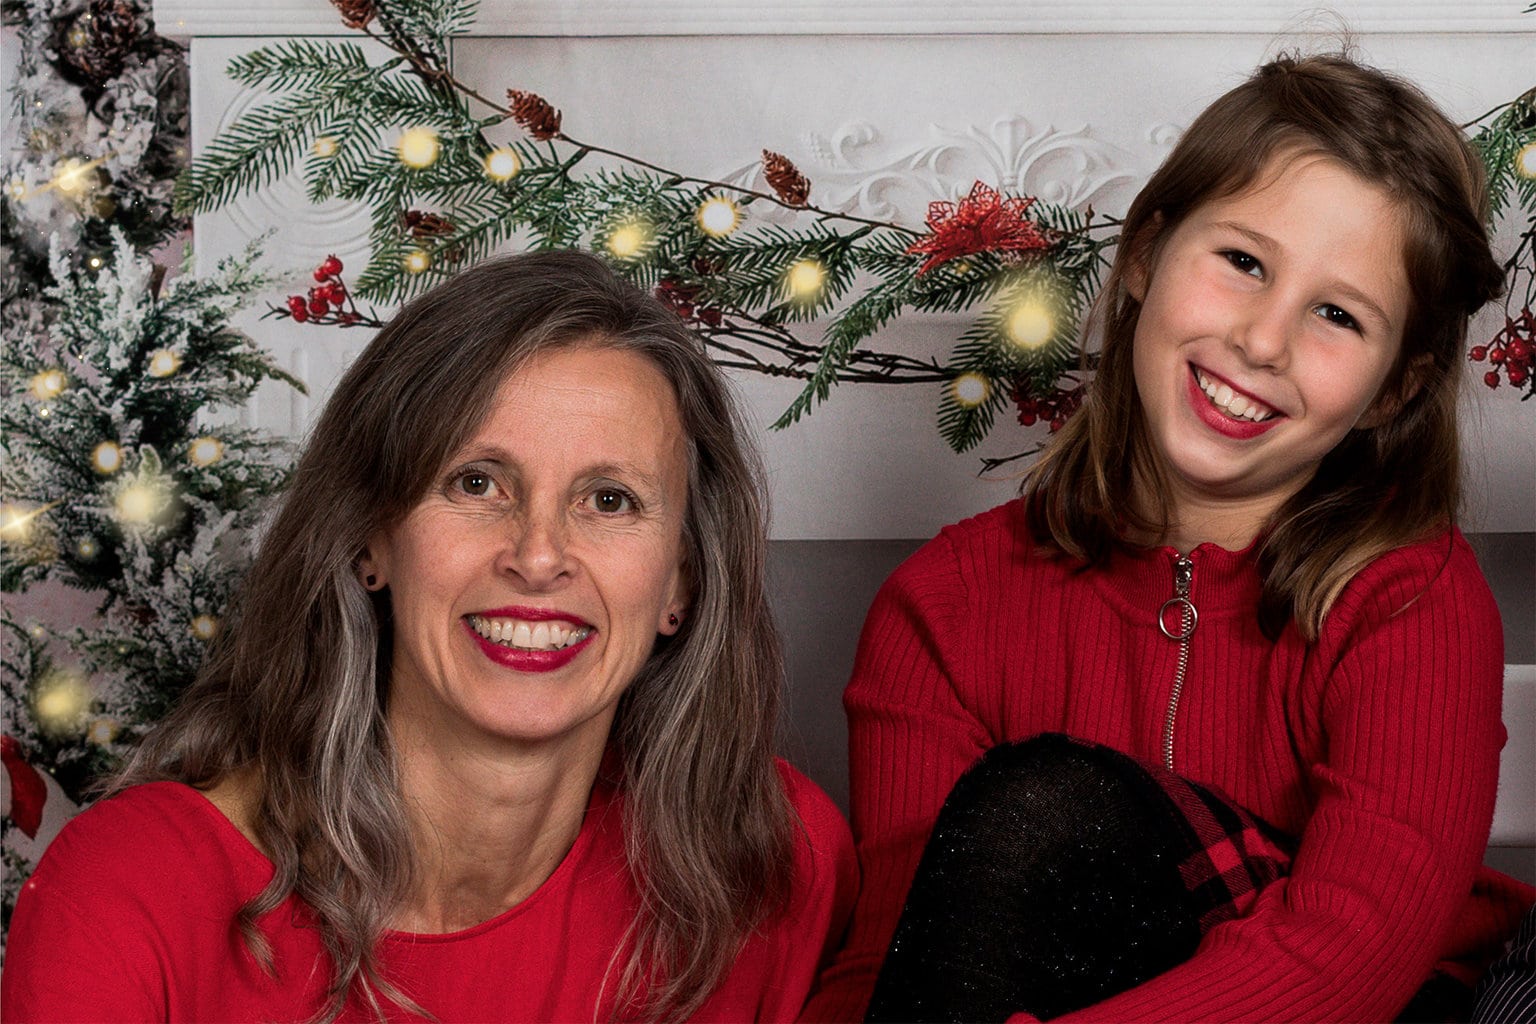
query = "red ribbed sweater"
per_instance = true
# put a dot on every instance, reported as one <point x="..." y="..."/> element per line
<point x="1377" y="746"/>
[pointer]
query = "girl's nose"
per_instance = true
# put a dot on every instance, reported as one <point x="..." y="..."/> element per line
<point x="1262" y="332"/>
<point x="535" y="547"/>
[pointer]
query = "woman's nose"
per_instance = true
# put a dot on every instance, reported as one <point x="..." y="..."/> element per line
<point x="535" y="548"/>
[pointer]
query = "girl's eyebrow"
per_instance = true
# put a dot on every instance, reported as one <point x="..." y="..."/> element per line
<point x="1348" y="291"/>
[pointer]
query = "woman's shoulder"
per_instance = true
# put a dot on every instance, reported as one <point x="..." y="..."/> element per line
<point x="826" y="868"/>
<point x="825" y="826"/>
<point x="143" y="839"/>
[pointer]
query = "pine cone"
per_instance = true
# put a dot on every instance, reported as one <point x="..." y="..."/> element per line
<point x="791" y="186"/>
<point x="355" y="13"/>
<point x="424" y="226"/>
<point x="534" y="113"/>
<point x="98" y="42"/>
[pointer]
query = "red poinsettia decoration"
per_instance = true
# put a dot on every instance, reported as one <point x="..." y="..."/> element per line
<point x="981" y="222"/>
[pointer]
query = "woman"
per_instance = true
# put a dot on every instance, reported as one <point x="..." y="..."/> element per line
<point x="491" y="734"/>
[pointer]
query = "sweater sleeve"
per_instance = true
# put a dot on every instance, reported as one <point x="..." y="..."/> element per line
<point x="78" y="948"/>
<point x="1410" y="706"/>
<point x="909" y="739"/>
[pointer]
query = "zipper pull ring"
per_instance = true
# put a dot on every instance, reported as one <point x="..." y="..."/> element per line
<point x="1188" y="614"/>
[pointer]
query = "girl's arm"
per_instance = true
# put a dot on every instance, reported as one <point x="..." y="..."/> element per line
<point x="1405" y="792"/>
<point x="909" y="739"/>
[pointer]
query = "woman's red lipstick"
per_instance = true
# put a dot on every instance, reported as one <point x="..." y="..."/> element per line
<point x="523" y="660"/>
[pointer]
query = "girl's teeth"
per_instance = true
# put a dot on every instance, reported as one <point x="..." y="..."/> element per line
<point x="1233" y="404"/>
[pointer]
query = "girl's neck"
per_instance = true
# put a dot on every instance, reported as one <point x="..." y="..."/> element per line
<point x="487" y="828"/>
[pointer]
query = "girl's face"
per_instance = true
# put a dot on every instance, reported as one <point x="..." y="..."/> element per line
<point x="1270" y="321"/>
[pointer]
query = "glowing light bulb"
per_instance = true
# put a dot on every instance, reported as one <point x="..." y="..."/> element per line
<point x="718" y="217"/>
<point x="107" y="458"/>
<point x="806" y="278"/>
<point x="61" y="701"/>
<point x="417" y="261"/>
<point x="1525" y="161"/>
<point x="205" y="451"/>
<point x="503" y="164"/>
<point x="16" y="522"/>
<point x="95" y="262"/>
<point x="1031" y="324"/>
<point x="324" y="147"/>
<point x="73" y="177"/>
<point x="971" y="389"/>
<point x="48" y="384"/>
<point x="205" y="627"/>
<point x="16" y="189"/>
<point x="102" y="730"/>
<point x="139" y="504"/>
<point x="163" y="363"/>
<point x="418" y="147"/>
<point x="86" y="549"/>
<point x="628" y="240"/>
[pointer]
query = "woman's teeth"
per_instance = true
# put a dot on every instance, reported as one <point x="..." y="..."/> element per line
<point x="529" y="636"/>
<point x="1232" y="403"/>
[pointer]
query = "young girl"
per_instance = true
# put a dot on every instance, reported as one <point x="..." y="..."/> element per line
<point x="1235" y="582"/>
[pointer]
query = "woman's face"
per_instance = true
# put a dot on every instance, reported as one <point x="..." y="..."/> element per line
<point x="529" y="585"/>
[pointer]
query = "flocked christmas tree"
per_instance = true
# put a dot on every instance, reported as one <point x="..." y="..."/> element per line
<point x="116" y="478"/>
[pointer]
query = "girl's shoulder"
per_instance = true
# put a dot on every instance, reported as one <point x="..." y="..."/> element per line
<point x="1437" y="577"/>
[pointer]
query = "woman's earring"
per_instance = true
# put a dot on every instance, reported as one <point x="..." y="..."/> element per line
<point x="371" y="581"/>
<point x="672" y="619"/>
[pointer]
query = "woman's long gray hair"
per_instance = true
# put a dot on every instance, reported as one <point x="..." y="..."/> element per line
<point x="292" y="697"/>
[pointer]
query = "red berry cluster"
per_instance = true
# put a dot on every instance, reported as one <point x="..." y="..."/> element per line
<point x="1055" y="408"/>
<point x="328" y="301"/>
<point x="682" y="298"/>
<point x="1512" y="349"/>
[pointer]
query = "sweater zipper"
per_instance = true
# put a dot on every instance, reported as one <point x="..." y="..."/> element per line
<point x="1183" y="575"/>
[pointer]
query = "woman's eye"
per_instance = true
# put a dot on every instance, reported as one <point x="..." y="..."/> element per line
<point x="610" y="501"/>
<point x="475" y="483"/>
<point x="1243" y="262"/>
<point x="1338" y="317"/>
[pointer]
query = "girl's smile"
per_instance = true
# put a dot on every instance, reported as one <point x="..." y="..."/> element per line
<point x="1270" y="323"/>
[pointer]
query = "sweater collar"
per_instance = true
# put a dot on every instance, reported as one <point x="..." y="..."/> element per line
<point x="1223" y="582"/>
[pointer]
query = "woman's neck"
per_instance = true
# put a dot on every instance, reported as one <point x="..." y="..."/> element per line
<point x="488" y="827"/>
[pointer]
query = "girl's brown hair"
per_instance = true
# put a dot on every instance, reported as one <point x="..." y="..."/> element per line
<point x="293" y="695"/>
<point x="1385" y="484"/>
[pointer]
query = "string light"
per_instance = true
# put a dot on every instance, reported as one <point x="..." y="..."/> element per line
<point x="48" y="384"/>
<point x="806" y="279"/>
<point x="163" y="363"/>
<point x="205" y="627"/>
<point x="629" y="240"/>
<point x="140" y="503"/>
<point x="718" y="217"/>
<point x="324" y="147"/>
<point x="95" y="262"/>
<point x="1031" y="324"/>
<point x="86" y="548"/>
<point x="417" y="261"/>
<point x="102" y="730"/>
<point x="16" y="189"/>
<point x="1525" y="161"/>
<point x="73" y="177"/>
<point x="970" y="390"/>
<point x="16" y="521"/>
<point x="418" y="147"/>
<point x="107" y="458"/>
<point x="205" y="451"/>
<point x="61" y="701"/>
<point x="503" y="164"/>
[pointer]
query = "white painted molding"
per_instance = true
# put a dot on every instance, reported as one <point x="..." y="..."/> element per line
<point x="872" y="17"/>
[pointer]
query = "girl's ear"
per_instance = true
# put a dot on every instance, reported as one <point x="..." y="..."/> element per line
<point x="1392" y="399"/>
<point x="1138" y="258"/>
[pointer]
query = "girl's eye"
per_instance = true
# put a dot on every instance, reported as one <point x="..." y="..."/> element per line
<point x="610" y="501"/>
<point x="1338" y="317"/>
<point x="1243" y="262"/>
<point x="476" y="483"/>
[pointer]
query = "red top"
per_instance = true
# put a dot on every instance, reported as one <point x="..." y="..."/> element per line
<point x="130" y="917"/>
<point x="1377" y="746"/>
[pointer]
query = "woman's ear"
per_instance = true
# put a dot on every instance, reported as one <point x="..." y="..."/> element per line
<point x="1392" y="398"/>
<point x="368" y="572"/>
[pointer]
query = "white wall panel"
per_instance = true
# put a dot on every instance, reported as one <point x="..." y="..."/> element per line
<point x="882" y="123"/>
